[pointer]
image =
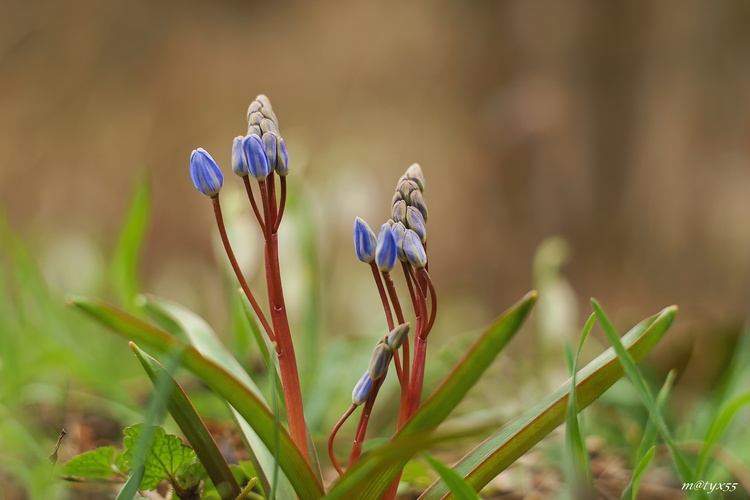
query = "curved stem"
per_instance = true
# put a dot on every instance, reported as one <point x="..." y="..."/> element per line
<point x="251" y="197"/>
<point x="282" y="204"/>
<point x="332" y="436"/>
<point x="364" y="420"/>
<point x="237" y="270"/>
<point x="383" y="296"/>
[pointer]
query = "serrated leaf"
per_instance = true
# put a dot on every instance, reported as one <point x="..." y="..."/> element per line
<point x="166" y="454"/>
<point x="94" y="464"/>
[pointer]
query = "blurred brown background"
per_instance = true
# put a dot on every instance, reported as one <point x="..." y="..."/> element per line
<point x="622" y="126"/>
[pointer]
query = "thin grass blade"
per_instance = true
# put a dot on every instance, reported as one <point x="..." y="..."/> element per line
<point x="717" y="429"/>
<point x="459" y="487"/>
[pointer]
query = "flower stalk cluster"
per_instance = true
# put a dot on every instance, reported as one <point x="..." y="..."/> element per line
<point x="402" y="239"/>
<point x="262" y="155"/>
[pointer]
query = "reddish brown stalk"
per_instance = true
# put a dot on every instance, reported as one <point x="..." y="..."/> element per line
<point x="238" y="271"/>
<point x="282" y="204"/>
<point x="251" y="197"/>
<point x="420" y="351"/>
<point x="364" y="420"/>
<point x="284" y="344"/>
<point x="404" y="379"/>
<point x="332" y="436"/>
<point x="383" y="296"/>
<point x="433" y="300"/>
<point x="271" y="182"/>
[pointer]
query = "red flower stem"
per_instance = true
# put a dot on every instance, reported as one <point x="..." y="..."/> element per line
<point x="433" y="300"/>
<point x="249" y="189"/>
<point x="238" y="271"/>
<point x="420" y="351"/>
<point x="271" y="181"/>
<point x="364" y="420"/>
<point x="404" y="379"/>
<point x="282" y="204"/>
<point x="383" y="296"/>
<point x="284" y="344"/>
<point x="332" y="436"/>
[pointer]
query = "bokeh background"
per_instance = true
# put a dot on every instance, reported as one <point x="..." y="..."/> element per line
<point x="622" y="127"/>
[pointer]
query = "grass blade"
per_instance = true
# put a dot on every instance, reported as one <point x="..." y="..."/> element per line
<point x="371" y="476"/>
<point x="632" y="490"/>
<point x="639" y="383"/>
<point x="459" y="487"/>
<point x="503" y="448"/>
<point x="578" y="469"/>
<point x="192" y="426"/>
<point x="124" y="266"/>
<point x="717" y="428"/>
<point x="253" y="409"/>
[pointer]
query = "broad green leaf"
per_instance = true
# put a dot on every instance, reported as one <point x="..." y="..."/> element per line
<point x="507" y="445"/>
<point x="202" y="337"/>
<point x="253" y="410"/>
<point x="459" y="487"/>
<point x="94" y="464"/>
<point x="166" y="455"/>
<point x="628" y="364"/>
<point x="575" y="443"/>
<point x="371" y="476"/>
<point x="193" y="427"/>
<point x="124" y="267"/>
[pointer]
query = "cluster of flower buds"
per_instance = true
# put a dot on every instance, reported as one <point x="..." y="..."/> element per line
<point x="259" y="153"/>
<point x="381" y="358"/>
<point x="404" y="235"/>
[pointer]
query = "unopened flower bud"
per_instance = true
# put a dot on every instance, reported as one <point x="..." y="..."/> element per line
<point x="205" y="173"/>
<point x="254" y="130"/>
<point x="414" y="173"/>
<point x="415" y="222"/>
<point x="255" y="118"/>
<point x="416" y="200"/>
<point x="385" y="251"/>
<point x="254" y="106"/>
<point x="267" y="125"/>
<point x="239" y="165"/>
<point x="379" y="361"/>
<point x="362" y="389"/>
<point x="270" y="144"/>
<point x="399" y="211"/>
<point x="268" y="113"/>
<point x="405" y="187"/>
<point x="282" y="158"/>
<point x="398" y="230"/>
<point x="364" y="241"/>
<point x="414" y="250"/>
<point x="397" y="336"/>
<point x="255" y="157"/>
<point x="397" y="196"/>
<point x="263" y="100"/>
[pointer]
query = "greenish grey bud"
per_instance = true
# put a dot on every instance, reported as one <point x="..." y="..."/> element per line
<point x="396" y="198"/>
<point x="415" y="222"/>
<point x="399" y="211"/>
<point x="379" y="361"/>
<point x="254" y="130"/>
<point x="416" y="200"/>
<point x="270" y="144"/>
<point x="255" y="118"/>
<point x="263" y="100"/>
<point x="254" y="106"/>
<point x="282" y="158"/>
<point x="267" y="125"/>
<point x="414" y="173"/>
<point x="405" y="187"/>
<point x="268" y="113"/>
<point x="397" y="336"/>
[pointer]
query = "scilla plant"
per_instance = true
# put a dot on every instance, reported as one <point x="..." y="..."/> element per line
<point x="285" y="463"/>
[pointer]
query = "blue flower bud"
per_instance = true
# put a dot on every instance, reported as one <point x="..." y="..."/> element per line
<point x="255" y="157"/>
<point x="415" y="222"/>
<point x="362" y="389"/>
<point x="399" y="211"/>
<point x="381" y="357"/>
<point x="364" y="241"/>
<point x="414" y="173"/>
<point x="397" y="336"/>
<point x="385" y="251"/>
<point x="414" y="250"/>
<point x="398" y="230"/>
<point x="282" y="158"/>
<point x="270" y="141"/>
<point x="205" y="173"/>
<point x="416" y="200"/>
<point x="239" y="165"/>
